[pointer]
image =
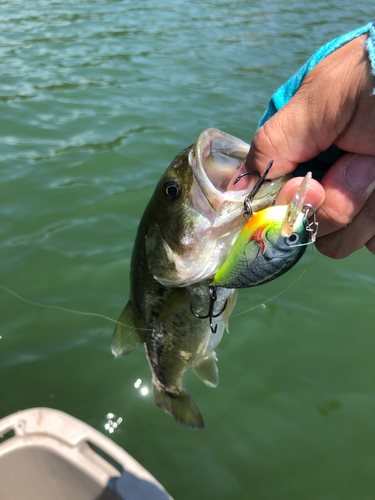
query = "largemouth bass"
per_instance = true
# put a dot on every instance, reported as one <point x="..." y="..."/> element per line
<point x="184" y="236"/>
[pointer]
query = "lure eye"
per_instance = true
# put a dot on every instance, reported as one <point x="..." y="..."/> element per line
<point x="292" y="240"/>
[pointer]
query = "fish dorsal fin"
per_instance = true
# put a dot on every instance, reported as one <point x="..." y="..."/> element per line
<point x="174" y="301"/>
<point x="207" y="370"/>
<point x="126" y="336"/>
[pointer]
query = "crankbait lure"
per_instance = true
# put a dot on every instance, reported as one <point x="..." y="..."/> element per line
<point x="272" y="242"/>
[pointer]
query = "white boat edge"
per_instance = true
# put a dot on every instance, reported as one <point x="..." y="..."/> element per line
<point x="70" y="439"/>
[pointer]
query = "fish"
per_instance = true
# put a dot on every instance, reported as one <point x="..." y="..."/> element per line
<point x="185" y="234"/>
<point x="270" y="244"/>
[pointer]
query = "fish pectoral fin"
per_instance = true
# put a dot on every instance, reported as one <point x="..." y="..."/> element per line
<point x="126" y="336"/>
<point x="180" y="405"/>
<point x="229" y="308"/>
<point x="174" y="301"/>
<point x="207" y="370"/>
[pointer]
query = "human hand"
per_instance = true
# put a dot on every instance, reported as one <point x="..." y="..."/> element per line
<point x="334" y="105"/>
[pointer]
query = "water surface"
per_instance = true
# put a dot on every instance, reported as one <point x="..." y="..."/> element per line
<point x="96" y="99"/>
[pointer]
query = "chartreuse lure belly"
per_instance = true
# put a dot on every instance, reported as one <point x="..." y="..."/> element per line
<point x="272" y="242"/>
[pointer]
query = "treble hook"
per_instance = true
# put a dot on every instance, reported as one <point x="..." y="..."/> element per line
<point x="248" y="211"/>
<point x="211" y="315"/>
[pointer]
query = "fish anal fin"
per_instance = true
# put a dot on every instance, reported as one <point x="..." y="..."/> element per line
<point x="207" y="370"/>
<point x="126" y="336"/>
<point x="173" y="302"/>
<point x="180" y="405"/>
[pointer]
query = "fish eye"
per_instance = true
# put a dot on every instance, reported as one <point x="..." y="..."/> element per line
<point x="292" y="239"/>
<point x="171" y="190"/>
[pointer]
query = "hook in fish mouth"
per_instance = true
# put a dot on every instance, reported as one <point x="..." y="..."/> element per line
<point x="294" y="208"/>
<point x="210" y="314"/>
<point x="248" y="210"/>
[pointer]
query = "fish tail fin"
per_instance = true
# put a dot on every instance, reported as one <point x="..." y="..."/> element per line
<point x="180" y="405"/>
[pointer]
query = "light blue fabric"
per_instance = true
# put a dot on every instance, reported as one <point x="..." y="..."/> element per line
<point x="287" y="91"/>
<point x="371" y="48"/>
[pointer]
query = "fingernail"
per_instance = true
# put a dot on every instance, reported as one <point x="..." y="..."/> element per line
<point x="360" y="171"/>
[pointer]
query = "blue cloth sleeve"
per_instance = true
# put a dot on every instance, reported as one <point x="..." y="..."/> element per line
<point x="287" y="91"/>
<point x="371" y="48"/>
<point x="322" y="162"/>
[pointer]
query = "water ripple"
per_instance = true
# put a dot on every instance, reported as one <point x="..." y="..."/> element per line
<point x="43" y="234"/>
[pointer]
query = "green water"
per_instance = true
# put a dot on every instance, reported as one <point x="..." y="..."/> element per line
<point x="96" y="99"/>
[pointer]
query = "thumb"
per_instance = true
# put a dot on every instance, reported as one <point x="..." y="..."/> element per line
<point x="316" y="115"/>
<point x="287" y="138"/>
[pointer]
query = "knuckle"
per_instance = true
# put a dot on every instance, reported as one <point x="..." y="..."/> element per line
<point x="369" y="209"/>
<point x="260" y="150"/>
<point x="262" y="140"/>
<point x="370" y="245"/>
<point x="331" y="248"/>
<point x="336" y="220"/>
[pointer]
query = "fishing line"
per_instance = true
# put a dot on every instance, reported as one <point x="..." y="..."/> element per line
<point x="60" y="308"/>
<point x="97" y="315"/>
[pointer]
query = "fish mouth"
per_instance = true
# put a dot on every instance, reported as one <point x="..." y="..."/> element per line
<point x="217" y="159"/>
